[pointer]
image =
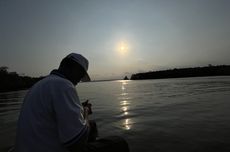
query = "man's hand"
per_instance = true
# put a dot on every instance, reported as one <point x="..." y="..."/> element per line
<point x="87" y="107"/>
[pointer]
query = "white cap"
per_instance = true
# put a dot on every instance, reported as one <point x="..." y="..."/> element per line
<point x="81" y="60"/>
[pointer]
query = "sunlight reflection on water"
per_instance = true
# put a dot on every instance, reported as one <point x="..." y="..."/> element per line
<point x="126" y="123"/>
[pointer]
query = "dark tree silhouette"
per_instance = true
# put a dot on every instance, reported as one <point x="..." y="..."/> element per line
<point x="221" y="70"/>
<point x="11" y="81"/>
<point x="126" y="78"/>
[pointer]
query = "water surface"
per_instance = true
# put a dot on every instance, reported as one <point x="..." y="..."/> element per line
<point x="186" y="114"/>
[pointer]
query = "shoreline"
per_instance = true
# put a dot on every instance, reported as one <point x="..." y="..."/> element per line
<point x="221" y="70"/>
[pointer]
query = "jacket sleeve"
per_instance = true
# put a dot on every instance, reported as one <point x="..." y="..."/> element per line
<point x="69" y="116"/>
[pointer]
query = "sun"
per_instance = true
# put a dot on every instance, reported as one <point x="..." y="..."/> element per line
<point x="123" y="48"/>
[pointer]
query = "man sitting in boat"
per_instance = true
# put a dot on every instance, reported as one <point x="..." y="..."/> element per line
<point x="52" y="119"/>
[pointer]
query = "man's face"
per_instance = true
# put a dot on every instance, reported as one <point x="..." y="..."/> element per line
<point x="76" y="74"/>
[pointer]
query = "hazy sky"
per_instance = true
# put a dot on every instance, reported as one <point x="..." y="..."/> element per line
<point x="118" y="37"/>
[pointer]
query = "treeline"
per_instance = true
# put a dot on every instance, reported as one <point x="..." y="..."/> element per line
<point x="220" y="70"/>
<point x="11" y="81"/>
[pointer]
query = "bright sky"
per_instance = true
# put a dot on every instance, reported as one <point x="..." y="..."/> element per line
<point x="119" y="37"/>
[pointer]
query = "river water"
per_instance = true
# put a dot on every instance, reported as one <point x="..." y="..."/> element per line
<point x="165" y="115"/>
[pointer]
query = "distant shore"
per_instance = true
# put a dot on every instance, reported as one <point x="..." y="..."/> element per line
<point x="11" y="81"/>
<point x="220" y="70"/>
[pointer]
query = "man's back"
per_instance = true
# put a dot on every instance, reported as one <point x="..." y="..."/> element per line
<point x="41" y="125"/>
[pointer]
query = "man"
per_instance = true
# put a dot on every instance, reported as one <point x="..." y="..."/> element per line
<point x="52" y="119"/>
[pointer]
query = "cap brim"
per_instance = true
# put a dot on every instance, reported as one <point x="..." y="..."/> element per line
<point x="86" y="78"/>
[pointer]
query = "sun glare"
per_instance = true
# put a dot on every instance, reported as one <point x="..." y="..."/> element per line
<point x="123" y="48"/>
